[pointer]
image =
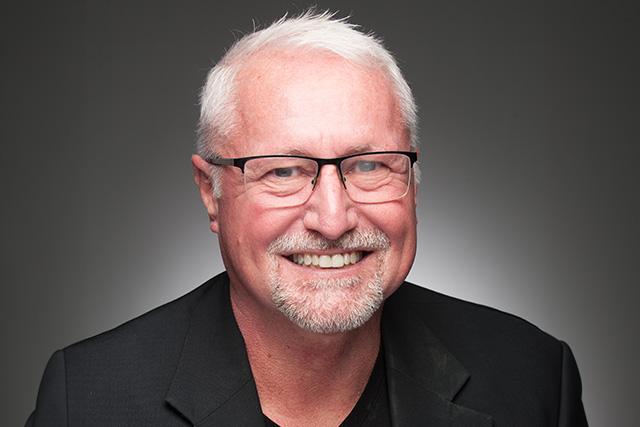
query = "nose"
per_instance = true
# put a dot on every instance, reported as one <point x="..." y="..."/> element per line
<point x="329" y="210"/>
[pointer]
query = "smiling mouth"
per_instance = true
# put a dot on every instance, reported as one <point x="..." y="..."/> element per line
<point x="327" y="261"/>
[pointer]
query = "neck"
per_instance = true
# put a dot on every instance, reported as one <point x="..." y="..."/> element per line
<point x="302" y="377"/>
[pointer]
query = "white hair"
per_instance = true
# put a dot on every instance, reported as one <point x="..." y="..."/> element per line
<point x="310" y="30"/>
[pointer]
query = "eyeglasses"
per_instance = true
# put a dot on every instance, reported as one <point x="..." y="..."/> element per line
<point x="288" y="180"/>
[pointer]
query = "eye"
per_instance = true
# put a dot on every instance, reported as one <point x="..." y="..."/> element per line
<point x="285" y="172"/>
<point x="366" y="166"/>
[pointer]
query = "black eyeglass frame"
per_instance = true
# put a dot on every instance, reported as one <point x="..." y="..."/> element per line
<point x="239" y="162"/>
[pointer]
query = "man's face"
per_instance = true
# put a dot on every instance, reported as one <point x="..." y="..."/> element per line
<point x="321" y="106"/>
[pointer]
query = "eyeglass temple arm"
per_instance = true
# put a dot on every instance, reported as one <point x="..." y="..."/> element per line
<point x="219" y="161"/>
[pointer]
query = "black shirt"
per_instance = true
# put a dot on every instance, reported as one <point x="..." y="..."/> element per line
<point x="372" y="408"/>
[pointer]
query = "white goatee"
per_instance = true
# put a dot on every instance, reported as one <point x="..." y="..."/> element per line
<point x="328" y="306"/>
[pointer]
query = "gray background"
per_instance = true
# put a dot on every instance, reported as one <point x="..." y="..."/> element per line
<point x="529" y="117"/>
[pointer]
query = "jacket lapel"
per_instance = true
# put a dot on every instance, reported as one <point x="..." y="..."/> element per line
<point x="423" y="377"/>
<point x="213" y="384"/>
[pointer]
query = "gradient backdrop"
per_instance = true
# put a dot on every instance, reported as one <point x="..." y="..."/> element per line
<point x="529" y="155"/>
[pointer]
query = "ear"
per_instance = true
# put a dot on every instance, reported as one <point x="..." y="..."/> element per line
<point x="202" y="178"/>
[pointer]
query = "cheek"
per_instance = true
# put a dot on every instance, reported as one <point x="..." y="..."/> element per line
<point x="398" y="221"/>
<point x="407" y="230"/>
<point x="251" y="228"/>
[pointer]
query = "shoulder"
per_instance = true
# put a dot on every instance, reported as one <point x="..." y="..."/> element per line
<point x="481" y="338"/>
<point x="145" y="333"/>
<point x="126" y="370"/>
<point x="516" y="371"/>
<point x="451" y="315"/>
<point x="139" y="357"/>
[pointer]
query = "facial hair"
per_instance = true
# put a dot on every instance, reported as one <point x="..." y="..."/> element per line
<point x="328" y="306"/>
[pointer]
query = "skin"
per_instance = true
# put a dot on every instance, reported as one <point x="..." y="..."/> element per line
<point x="320" y="105"/>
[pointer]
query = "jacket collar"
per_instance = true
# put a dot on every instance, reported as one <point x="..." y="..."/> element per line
<point x="423" y="377"/>
<point x="213" y="384"/>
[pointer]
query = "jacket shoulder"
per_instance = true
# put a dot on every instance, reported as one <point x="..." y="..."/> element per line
<point x="514" y="367"/>
<point x="488" y="342"/>
<point x="149" y="329"/>
<point x="517" y="371"/>
<point x="451" y="319"/>
<point x="130" y="367"/>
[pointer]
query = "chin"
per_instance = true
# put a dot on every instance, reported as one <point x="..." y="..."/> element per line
<point x="328" y="305"/>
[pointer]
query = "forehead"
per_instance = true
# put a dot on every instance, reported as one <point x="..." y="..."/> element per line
<point x="314" y="102"/>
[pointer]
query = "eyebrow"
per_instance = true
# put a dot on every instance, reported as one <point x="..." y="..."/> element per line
<point x="359" y="148"/>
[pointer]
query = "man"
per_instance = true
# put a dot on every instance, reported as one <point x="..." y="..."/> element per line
<point x="306" y="168"/>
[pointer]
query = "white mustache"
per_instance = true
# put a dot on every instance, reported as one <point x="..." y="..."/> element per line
<point x="362" y="240"/>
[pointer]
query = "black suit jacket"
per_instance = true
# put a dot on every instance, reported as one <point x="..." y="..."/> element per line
<point x="448" y="363"/>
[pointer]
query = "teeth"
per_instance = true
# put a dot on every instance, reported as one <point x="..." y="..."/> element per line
<point x="327" y="261"/>
<point x="337" y="261"/>
<point x="346" y="258"/>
